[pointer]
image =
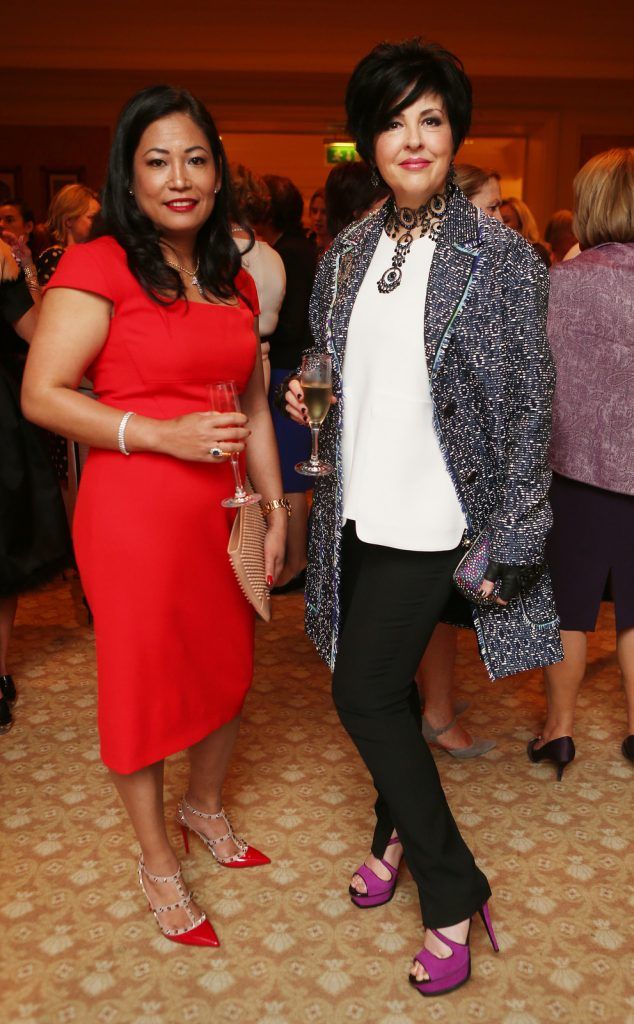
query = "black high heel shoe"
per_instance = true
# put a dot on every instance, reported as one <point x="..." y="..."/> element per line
<point x="561" y="751"/>
<point x="7" y="687"/>
<point x="6" y="719"/>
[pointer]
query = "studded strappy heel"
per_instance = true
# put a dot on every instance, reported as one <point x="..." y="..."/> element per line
<point x="246" y="857"/>
<point x="199" y="932"/>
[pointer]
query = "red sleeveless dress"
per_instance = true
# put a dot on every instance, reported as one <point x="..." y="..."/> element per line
<point x="174" y="633"/>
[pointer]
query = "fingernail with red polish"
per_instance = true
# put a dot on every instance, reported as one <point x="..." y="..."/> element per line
<point x="269" y="581"/>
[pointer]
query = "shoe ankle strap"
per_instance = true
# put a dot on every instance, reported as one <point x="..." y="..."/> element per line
<point x="203" y="814"/>
<point x="176" y="878"/>
<point x="453" y="945"/>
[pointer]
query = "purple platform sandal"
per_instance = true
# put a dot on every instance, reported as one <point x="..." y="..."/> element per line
<point x="379" y="891"/>
<point x="449" y="973"/>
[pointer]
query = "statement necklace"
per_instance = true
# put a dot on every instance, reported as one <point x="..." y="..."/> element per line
<point x="190" y="273"/>
<point x="428" y="218"/>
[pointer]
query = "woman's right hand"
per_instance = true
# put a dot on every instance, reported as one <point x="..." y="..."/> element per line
<point x="192" y="437"/>
<point x="295" y="402"/>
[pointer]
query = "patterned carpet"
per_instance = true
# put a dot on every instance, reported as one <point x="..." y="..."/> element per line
<point x="77" y="947"/>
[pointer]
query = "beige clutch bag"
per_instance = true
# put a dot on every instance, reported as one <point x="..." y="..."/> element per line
<point x="246" y="554"/>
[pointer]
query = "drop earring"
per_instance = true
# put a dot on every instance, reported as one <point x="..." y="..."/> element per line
<point x="374" y="178"/>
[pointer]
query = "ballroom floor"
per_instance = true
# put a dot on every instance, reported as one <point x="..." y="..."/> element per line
<point x="77" y="947"/>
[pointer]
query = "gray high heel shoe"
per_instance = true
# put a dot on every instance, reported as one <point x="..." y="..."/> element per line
<point x="430" y="733"/>
<point x="475" y="749"/>
<point x="479" y="746"/>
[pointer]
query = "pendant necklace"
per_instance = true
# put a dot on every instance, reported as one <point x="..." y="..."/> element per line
<point x="190" y="273"/>
<point x="428" y="217"/>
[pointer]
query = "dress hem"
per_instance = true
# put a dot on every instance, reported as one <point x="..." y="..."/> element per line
<point x="180" y="745"/>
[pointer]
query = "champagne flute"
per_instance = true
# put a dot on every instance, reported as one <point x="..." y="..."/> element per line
<point x="223" y="397"/>
<point x="316" y="381"/>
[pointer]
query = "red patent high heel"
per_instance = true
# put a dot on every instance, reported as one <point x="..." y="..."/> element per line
<point x="246" y="857"/>
<point x="199" y="932"/>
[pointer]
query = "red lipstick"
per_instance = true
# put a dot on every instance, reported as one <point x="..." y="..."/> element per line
<point x="182" y="205"/>
<point x="415" y="164"/>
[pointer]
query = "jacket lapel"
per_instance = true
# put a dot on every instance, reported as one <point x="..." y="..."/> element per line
<point x="450" y="277"/>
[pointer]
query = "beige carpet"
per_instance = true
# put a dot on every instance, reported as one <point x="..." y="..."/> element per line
<point x="77" y="946"/>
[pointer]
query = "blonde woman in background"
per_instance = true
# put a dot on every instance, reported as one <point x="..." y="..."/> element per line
<point x="591" y="333"/>
<point x="252" y="205"/>
<point x="70" y="222"/>
<point x="436" y="670"/>
<point x="482" y="187"/>
<point x="516" y="215"/>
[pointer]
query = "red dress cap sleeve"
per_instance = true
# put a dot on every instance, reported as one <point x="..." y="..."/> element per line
<point x="246" y="285"/>
<point x="90" y="267"/>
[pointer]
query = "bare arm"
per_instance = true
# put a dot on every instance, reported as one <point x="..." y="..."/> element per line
<point x="263" y="464"/>
<point x="72" y="329"/>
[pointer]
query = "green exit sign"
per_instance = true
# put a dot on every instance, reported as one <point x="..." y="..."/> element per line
<point x="341" y="152"/>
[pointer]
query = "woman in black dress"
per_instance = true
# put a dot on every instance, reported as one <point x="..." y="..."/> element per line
<point x="34" y="540"/>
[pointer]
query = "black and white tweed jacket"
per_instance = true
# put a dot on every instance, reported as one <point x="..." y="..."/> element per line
<point x="492" y="379"/>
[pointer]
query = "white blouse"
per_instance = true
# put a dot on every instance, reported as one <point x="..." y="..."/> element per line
<point x="396" y="486"/>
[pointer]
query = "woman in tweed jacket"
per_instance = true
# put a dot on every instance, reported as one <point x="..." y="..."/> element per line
<point x="443" y="382"/>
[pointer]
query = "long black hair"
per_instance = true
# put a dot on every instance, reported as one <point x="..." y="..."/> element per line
<point x="216" y="251"/>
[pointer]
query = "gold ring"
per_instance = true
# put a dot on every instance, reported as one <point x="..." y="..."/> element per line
<point x="218" y="453"/>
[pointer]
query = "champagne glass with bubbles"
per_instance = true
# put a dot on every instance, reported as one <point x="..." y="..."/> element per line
<point x="223" y="397"/>
<point x="316" y="382"/>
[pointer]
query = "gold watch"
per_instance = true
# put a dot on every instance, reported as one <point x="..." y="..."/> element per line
<point x="270" y="506"/>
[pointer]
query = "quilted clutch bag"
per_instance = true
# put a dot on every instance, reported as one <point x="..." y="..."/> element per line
<point x="246" y="554"/>
<point x="471" y="568"/>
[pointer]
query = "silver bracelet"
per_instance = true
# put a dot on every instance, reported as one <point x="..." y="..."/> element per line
<point x="121" y="433"/>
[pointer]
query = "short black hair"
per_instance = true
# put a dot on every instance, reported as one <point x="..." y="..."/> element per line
<point x="287" y="205"/>
<point x="25" y="210"/>
<point x="216" y="251"/>
<point x="392" y="77"/>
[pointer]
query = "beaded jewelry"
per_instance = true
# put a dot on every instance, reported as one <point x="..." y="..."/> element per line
<point x="428" y="218"/>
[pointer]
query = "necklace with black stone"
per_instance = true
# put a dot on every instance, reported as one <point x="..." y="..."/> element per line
<point x="405" y="219"/>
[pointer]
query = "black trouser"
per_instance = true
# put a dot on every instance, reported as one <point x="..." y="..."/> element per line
<point x="391" y="602"/>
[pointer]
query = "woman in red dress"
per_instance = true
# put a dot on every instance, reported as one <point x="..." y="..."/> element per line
<point x="153" y="313"/>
